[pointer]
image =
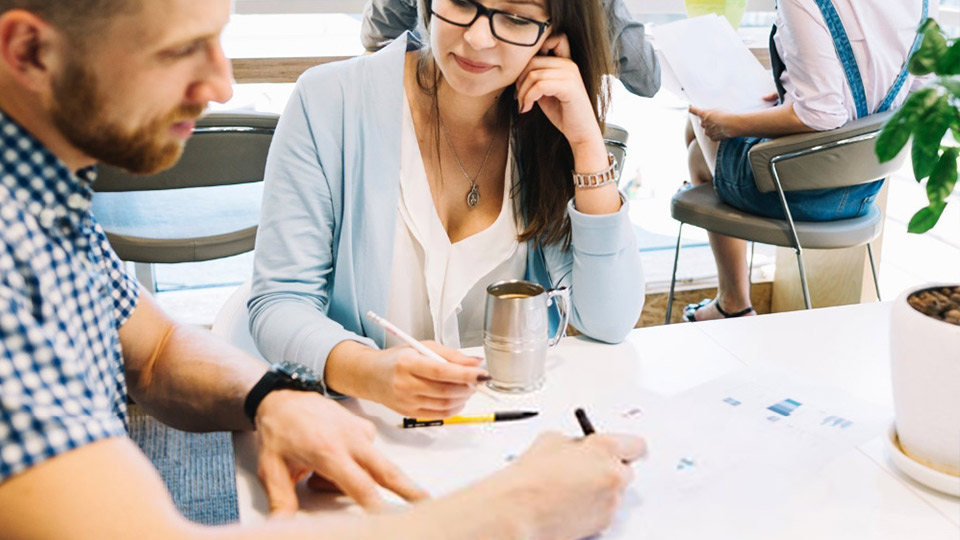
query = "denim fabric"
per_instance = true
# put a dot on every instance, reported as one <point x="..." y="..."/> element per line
<point x="736" y="186"/>
<point x="845" y="53"/>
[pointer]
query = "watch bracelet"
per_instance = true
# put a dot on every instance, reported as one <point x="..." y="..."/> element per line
<point x="597" y="179"/>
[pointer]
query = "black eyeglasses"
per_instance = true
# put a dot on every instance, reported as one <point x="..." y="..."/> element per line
<point x="505" y="26"/>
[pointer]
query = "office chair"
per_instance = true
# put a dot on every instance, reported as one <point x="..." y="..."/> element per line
<point x="205" y="207"/>
<point x="829" y="159"/>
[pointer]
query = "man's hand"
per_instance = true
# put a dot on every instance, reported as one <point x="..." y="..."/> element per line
<point x="302" y="432"/>
<point x="574" y="486"/>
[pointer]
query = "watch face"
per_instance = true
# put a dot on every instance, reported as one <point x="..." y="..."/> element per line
<point x="300" y="376"/>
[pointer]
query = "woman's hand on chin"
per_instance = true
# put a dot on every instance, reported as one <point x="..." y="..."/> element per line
<point x="552" y="80"/>
<point x="414" y="385"/>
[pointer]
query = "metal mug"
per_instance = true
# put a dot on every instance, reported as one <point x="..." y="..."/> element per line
<point x="515" y="328"/>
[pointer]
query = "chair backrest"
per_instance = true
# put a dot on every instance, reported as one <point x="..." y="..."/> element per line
<point x="226" y="148"/>
<point x="615" y="137"/>
<point x="827" y="159"/>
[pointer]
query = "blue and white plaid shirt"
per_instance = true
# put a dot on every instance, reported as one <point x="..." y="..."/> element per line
<point x="64" y="295"/>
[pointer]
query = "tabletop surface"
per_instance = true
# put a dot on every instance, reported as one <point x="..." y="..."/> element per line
<point x="761" y="427"/>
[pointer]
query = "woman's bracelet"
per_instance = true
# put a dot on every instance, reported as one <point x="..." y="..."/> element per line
<point x="597" y="179"/>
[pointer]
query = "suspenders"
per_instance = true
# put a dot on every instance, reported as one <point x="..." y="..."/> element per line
<point x="845" y="53"/>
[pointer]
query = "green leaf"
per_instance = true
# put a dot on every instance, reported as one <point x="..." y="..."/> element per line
<point x="955" y="126"/>
<point x="944" y="176"/>
<point x="949" y="63"/>
<point x="896" y="132"/>
<point x="952" y="84"/>
<point x="926" y="218"/>
<point x="932" y="48"/>
<point x="927" y="134"/>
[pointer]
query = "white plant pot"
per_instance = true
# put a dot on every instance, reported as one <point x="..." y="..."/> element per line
<point x="925" y="355"/>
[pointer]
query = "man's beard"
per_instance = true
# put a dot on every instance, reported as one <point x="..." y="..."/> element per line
<point x="80" y="111"/>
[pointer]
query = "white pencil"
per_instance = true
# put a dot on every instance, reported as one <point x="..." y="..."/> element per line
<point x="407" y="338"/>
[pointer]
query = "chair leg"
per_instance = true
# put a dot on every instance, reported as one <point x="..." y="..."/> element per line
<point x="873" y="270"/>
<point x="803" y="279"/>
<point x="673" y="276"/>
<point x="146" y="276"/>
<point x="793" y="231"/>
<point x="750" y="273"/>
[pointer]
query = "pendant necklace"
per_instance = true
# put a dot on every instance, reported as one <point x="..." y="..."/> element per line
<point x="473" y="196"/>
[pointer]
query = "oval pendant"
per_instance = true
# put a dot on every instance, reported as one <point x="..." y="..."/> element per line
<point x="473" y="198"/>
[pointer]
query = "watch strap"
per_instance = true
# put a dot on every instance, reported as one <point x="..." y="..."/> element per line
<point x="271" y="380"/>
<point x="597" y="179"/>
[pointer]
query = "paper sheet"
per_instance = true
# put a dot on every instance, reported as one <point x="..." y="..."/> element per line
<point x="706" y="62"/>
<point x="735" y="449"/>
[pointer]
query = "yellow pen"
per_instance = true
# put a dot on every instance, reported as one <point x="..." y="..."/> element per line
<point x="478" y="419"/>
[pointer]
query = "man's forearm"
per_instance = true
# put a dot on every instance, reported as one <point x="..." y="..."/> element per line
<point x="196" y="382"/>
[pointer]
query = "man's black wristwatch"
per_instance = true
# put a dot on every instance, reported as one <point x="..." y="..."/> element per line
<point x="282" y="376"/>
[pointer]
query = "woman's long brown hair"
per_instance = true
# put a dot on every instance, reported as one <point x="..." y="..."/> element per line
<point x="544" y="157"/>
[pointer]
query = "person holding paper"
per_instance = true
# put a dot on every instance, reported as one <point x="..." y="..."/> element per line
<point x="637" y="65"/>
<point x="407" y="181"/>
<point x="834" y="61"/>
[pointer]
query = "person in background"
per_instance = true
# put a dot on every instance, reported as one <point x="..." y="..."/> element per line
<point x="833" y="61"/>
<point x="407" y="181"/>
<point x="636" y="63"/>
<point x="122" y="81"/>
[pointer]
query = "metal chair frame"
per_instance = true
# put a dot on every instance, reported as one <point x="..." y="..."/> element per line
<point x="798" y="249"/>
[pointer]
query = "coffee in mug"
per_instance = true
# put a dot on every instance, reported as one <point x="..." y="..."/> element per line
<point x="515" y="333"/>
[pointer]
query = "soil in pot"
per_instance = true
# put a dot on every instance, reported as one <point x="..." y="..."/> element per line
<point x="938" y="302"/>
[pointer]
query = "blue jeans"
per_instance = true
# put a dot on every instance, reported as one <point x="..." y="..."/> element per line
<point x="736" y="186"/>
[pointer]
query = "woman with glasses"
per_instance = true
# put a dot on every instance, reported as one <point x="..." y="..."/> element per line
<point x="407" y="181"/>
<point x="636" y="63"/>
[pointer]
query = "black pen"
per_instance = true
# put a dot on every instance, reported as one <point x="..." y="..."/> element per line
<point x="585" y="424"/>
<point x="480" y="419"/>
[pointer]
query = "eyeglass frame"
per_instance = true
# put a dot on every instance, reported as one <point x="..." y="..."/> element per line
<point x="484" y="11"/>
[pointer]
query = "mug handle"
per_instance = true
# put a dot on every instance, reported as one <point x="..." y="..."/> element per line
<point x="562" y="294"/>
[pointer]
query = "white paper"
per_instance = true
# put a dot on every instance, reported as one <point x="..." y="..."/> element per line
<point x="712" y="66"/>
<point x="734" y="450"/>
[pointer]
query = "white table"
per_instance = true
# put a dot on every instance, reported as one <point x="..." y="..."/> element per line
<point x="856" y="494"/>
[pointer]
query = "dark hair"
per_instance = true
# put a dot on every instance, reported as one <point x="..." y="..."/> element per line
<point x="543" y="154"/>
<point x="79" y="20"/>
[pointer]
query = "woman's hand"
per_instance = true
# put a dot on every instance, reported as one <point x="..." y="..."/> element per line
<point x="414" y="385"/>
<point x="717" y="124"/>
<point x="554" y="83"/>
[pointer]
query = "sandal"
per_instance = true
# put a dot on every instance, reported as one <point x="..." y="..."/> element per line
<point x="689" y="312"/>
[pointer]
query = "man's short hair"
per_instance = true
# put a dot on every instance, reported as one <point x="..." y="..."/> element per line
<point x="78" y="19"/>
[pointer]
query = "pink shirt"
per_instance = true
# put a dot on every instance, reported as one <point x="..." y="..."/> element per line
<point x="880" y="33"/>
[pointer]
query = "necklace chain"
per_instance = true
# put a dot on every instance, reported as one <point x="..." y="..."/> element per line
<point x="473" y="196"/>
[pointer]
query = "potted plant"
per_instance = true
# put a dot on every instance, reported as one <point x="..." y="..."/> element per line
<point x="925" y="322"/>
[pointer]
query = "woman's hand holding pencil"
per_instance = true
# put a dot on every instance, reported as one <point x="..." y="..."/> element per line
<point x="414" y="385"/>
<point x="421" y="379"/>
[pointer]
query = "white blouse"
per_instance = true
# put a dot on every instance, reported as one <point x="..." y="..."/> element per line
<point x="438" y="288"/>
<point x="880" y="35"/>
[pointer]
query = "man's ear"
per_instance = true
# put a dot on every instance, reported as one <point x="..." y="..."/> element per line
<point x="29" y="49"/>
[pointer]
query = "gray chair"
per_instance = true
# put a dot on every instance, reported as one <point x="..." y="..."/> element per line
<point x="830" y="159"/>
<point x="205" y="207"/>
<point x="615" y="137"/>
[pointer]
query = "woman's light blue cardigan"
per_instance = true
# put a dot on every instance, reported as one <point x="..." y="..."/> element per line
<point x="325" y="244"/>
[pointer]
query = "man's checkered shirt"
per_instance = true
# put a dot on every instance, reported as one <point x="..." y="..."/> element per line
<point x="63" y="296"/>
